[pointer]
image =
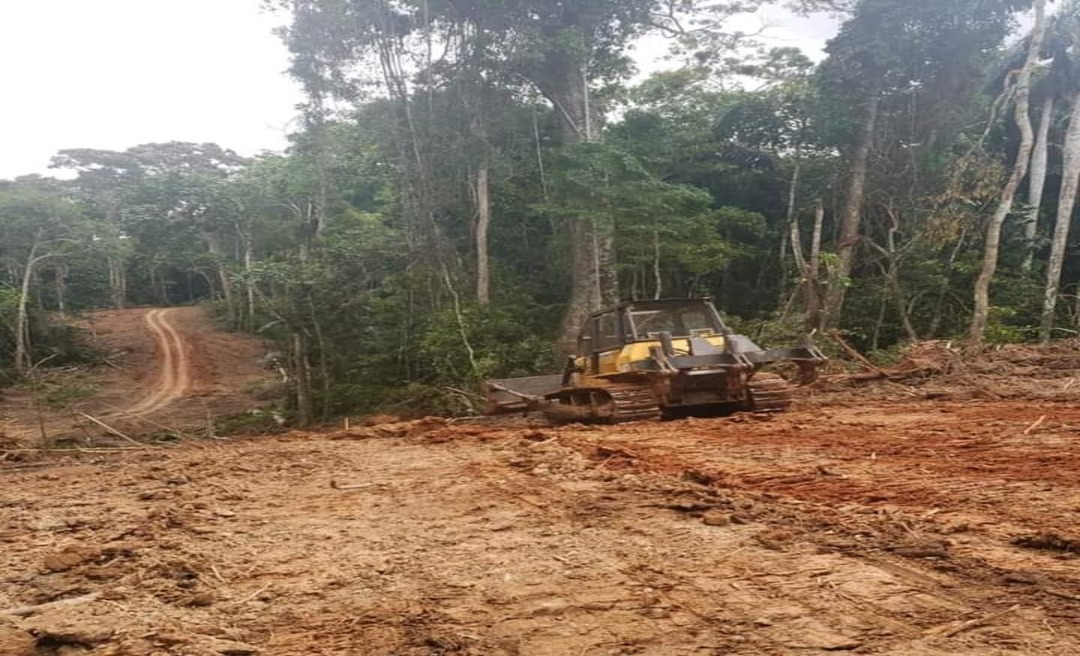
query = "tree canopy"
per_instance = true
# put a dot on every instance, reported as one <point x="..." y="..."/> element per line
<point x="471" y="178"/>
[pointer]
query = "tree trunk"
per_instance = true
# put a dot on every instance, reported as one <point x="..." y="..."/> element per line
<point x="60" y="282"/>
<point x="851" y="214"/>
<point x="981" y="313"/>
<point x="793" y="227"/>
<point x="483" y="222"/>
<point x="943" y="290"/>
<point x="894" y="278"/>
<point x="591" y="249"/>
<point x="658" y="278"/>
<point x="117" y="283"/>
<point x="222" y="273"/>
<point x="592" y="243"/>
<point x="305" y="404"/>
<point x="39" y="297"/>
<point x="249" y="282"/>
<point x="22" y="341"/>
<point x="1037" y="181"/>
<point x="607" y="277"/>
<point x="157" y="286"/>
<point x="1070" y="180"/>
<point x="324" y="360"/>
<point x="22" y="316"/>
<point x="813" y="267"/>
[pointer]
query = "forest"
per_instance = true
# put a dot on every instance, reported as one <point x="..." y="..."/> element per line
<point x="468" y="179"/>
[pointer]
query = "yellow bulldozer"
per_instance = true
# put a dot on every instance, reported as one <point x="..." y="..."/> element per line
<point x="659" y="359"/>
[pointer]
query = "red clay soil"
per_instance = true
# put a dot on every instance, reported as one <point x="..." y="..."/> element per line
<point x="876" y="518"/>
<point x="913" y="528"/>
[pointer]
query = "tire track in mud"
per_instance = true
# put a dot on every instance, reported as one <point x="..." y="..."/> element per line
<point x="174" y="376"/>
<point x="172" y="383"/>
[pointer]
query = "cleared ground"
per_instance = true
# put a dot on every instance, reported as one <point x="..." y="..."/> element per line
<point x="904" y="528"/>
<point x="919" y="517"/>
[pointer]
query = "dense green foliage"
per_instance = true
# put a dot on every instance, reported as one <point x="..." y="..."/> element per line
<point x="466" y="172"/>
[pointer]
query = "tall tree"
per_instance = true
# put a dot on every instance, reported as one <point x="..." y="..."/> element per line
<point x="1065" y="37"/>
<point x="1022" y="117"/>
<point x="888" y="50"/>
<point x="37" y="224"/>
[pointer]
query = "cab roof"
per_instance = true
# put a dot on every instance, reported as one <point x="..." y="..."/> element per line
<point x="657" y="303"/>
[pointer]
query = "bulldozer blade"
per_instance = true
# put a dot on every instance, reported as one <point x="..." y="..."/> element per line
<point x="510" y="395"/>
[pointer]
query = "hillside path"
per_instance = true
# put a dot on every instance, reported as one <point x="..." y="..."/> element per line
<point x="171" y="369"/>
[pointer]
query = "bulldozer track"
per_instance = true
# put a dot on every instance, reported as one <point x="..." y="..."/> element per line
<point x="770" y="394"/>
<point x="634" y="404"/>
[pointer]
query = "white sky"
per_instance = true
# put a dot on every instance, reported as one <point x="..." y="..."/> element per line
<point x="116" y="73"/>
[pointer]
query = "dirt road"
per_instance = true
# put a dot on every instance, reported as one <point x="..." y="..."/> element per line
<point x="174" y="379"/>
<point x="171" y="370"/>
<point x="907" y="528"/>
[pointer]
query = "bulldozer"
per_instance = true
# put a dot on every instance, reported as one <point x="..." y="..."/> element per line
<point x="656" y="359"/>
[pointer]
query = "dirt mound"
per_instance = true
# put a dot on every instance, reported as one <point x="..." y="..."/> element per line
<point x="943" y="370"/>
<point x="925" y="359"/>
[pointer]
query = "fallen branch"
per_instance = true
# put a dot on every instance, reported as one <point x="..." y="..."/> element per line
<point x="127" y="414"/>
<point x="1038" y="422"/>
<point x="858" y="357"/>
<point x="947" y="631"/>
<point x="1060" y="594"/>
<point x="26" y="611"/>
<point x="613" y="451"/>
<point x="80" y="449"/>
<point x="250" y="596"/>
<point x="109" y="428"/>
<point x="358" y="486"/>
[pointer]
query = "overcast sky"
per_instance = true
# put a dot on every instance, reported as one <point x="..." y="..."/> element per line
<point x="116" y="73"/>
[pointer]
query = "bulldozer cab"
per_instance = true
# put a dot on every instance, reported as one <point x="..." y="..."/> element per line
<point x="606" y="334"/>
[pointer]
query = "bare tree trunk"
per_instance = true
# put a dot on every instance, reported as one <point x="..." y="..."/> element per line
<point x="813" y="267"/>
<point x="1070" y="181"/>
<point x="658" y="278"/>
<point x="794" y="236"/>
<point x="1037" y="182"/>
<point x="851" y="214"/>
<point x="226" y="291"/>
<point x="992" y="246"/>
<point x="483" y="222"/>
<point x="939" y="306"/>
<point x="39" y="298"/>
<point x="607" y="277"/>
<point x="875" y="337"/>
<point x="214" y="248"/>
<point x="894" y="277"/>
<point x="117" y="283"/>
<point x="22" y="316"/>
<point x="60" y="282"/>
<point x="249" y="282"/>
<point x="324" y="360"/>
<point x="305" y="404"/>
<point x="592" y="243"/>
<point x="161" y="293"/>
<point x="22" y="341"/>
